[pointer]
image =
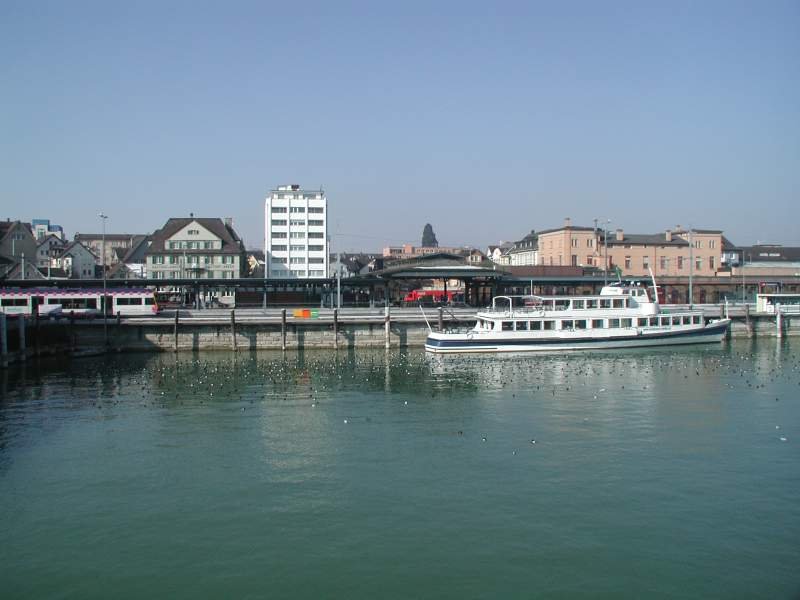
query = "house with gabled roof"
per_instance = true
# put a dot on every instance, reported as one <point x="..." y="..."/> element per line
<point x="196" y="248"/>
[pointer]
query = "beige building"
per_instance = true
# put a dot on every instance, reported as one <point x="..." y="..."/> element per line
<point x="196" y="248"/>
<point x="569" y="245"/>
<point x="667" y="254"/>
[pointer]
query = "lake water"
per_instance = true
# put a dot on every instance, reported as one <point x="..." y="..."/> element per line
<point x="654" y="473"/>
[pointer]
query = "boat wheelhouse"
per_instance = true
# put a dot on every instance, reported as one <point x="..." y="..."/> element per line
<point x="622" y="316"/>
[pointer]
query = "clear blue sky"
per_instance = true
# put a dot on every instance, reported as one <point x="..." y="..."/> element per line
<point x="484" y="119"/>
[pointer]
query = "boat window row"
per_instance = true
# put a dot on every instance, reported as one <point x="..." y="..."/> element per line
<point x="583" y="304"/>
<point x="626" y="323"/>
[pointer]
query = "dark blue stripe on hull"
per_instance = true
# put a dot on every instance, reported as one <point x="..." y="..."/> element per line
<point x="494" y="343"/>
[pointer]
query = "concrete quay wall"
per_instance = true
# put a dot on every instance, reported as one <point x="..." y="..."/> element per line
<point x="193" y="335"/>
<point x="251" y="336"/>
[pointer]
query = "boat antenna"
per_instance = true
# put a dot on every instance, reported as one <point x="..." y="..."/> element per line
<point x="655" y="287"/>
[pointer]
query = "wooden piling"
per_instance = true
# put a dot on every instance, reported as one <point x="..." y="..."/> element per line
<point x="748" y="325"/>
<point x="387" y="324"/>
<point x="233" y="331"/>
<point x="3" y="341"/>
<point x="36" y="332"/>
<point x="336" y="328"/>
<point x="23" y="351"/>
<point x="283" y="329"/>
<point x="176" y="330"/>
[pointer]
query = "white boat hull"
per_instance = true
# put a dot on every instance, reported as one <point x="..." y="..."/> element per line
<point x="446" y="343"/>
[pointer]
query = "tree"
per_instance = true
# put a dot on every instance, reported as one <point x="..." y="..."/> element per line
<point x="428" y="237"/>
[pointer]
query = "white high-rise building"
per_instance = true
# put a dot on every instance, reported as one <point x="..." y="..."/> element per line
<point x="296" y="233"/>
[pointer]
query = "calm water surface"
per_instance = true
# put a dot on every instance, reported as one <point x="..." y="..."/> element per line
<point x="654" y="473"/>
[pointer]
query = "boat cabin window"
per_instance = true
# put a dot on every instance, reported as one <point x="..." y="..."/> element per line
<point x="641" y="322"/>
<point x="653" y="321"/>
<point x="687" y="320"/>
<point x="627" y="322"/>
<point x="548" y="304"/>
<point x="664" y="321"/>
<point x="508" y="325"/>
<point x="696" y="319"/>
<point x="567" y="324"/>
<point x="591" y="303"/>
<point x="578" y="304"/>
<point x="598" y="323"/>
<point x="613" y="323"/>
<point x="580" y="324"/>
<point x="619" y="303"/>
<point x="562" y="304"/>
<point x="676" y="320"/>
<point x="536" y="325"/>
<point x="548" y="325"/>
<point x="522" y="325"/>
<point x="605" y="303"/>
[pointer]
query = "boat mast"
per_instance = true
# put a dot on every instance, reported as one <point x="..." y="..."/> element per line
<point x="691" y="268"/>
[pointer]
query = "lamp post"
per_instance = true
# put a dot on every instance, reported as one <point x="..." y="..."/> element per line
<point x="103" y="218"/>
<point x="605" y="251"/>
<point x="743" y="283"/>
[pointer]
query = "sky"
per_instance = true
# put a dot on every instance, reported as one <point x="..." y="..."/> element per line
<point x="486" y="120"/>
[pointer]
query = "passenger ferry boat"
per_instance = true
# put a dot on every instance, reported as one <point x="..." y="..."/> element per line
<point x="622" y="316"/>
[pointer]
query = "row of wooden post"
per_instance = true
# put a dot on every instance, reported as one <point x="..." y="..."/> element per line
<point x="4" y="339"/>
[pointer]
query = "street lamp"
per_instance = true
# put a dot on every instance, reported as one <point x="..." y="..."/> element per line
<point x="743" y="283"/>
<point x="605" y="224"/>
<point x="103" y="218"/>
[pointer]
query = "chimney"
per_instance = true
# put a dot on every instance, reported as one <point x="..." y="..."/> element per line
<point x="567" y="222"/>
<point x="668" y="235"/>
<point x="228" y="222"/>
<point x="620" y="235"/>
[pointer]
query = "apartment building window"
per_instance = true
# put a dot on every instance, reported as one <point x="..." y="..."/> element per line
<point x="698" y="263"/>
<point x="315" y="248"/>
<point x="298" y="273"/>
<point x="627" y="262"/>
<point x="158" y="260"/>
<point x="711" y="262"/>
<point x="645" y="262"/>
<point x="663" y="263"/>
<point x="316" y="235"/>
<point x="680" y="263"/>
<point x="208" y="245"/>
<point x="278" y="222"/>
<point x="278" y="259"/>
<point x="574" y="242"/>
<point x="315" y="273"/>
<point x="315" y="222"/>
<point x="588" y="259"/>
<point x="316" y="210"/>
<point x="298" y="209"/>
<point x="589" y="243"/>
<point x="228" y="260"/>
<point x="193" y="232"/>
<point x="297" y="223"/>
<point x="297" y="261"/>
<point x="279" y="235"/>
<point x="698" y="244"/>
<point x="297" y="248"/>
<point x="316" y="261"/>
<point x="298" y="235"/>
<point x="279" y="247"/>
<point x="574" y="260"/>
<point x="712" y="243"/>
<point x="279" y="209"/>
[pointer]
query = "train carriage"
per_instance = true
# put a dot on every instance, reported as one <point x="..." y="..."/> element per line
<point x="79" y="302"/>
